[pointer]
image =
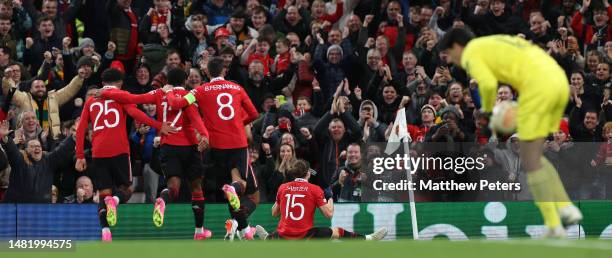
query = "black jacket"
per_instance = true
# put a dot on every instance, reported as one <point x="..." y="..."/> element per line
<point x="330" y="150"/>
<point x="35" y="55"/>
<point x="94" y="19"/>
<point x="579" y="132"/>
<point x="30" y="181"/>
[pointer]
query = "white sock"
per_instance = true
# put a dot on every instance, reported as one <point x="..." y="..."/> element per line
<point x="105" y="229"/>
<point x="199" y="230"/>
<point x="368" y="237"/>
<point x="116" y="199"/>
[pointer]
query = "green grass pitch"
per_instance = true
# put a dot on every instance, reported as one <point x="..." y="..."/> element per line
<point x="320" y="249"/>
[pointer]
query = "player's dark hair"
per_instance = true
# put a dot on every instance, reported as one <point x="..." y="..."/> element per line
<point x="299" y="169"/>
<point x="215" y="67"/>
<point x="111" y="75"/>
<point x="176" y="77"/>
<point x="455" y="36"/>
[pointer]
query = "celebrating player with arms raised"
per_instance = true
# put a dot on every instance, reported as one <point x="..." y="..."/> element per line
<point x="226" y="109"/>
<point x="110" y="149"/>
<point x="178" y="152"/>
<point x="296" y="203"/>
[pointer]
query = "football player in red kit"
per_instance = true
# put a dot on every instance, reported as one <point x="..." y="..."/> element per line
<point x="226" y="109"/>
<point x="179" y="153"/>
<point x="296" y="203"/>
<point x="110" y="149"/>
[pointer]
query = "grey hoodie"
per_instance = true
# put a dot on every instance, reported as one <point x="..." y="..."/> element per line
<point x="377" y="130"/>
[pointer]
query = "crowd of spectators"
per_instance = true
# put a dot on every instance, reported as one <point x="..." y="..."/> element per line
<point x="326" y="76"/>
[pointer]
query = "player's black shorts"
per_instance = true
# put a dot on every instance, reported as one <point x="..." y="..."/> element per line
<point x="224" y="160"/>
<point x="111" y="172"/>
<point x="316" y="233"/>
<point x="181" y="161"/>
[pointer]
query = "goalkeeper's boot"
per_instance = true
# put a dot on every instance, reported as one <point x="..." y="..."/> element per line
<point x="158" y="212"/>
<point x="231" y="226"/>
<point x="570" y="215"/>
<point x="111" y="210"/>
<point x="247" y="233"/>
<point x="232" y="197"/>
<point x="557" y="232"/>
<point x="202" y="234"/>
<point x="377" y="235"/>
<point x="261" y="232"/>
<point x="106" y="235"/>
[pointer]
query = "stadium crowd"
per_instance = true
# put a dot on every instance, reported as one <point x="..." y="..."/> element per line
<point x="327" y="78"/>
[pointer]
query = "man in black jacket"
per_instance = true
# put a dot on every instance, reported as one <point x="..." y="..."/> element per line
<point x="333" y="133"/>
<point x="32" y="171"/>
<point x="45" y="40"/>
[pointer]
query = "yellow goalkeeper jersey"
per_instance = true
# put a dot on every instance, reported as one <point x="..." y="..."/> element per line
<point x="509" y="60"/>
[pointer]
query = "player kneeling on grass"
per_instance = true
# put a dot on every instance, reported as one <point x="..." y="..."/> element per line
<point x="296" y="203"/>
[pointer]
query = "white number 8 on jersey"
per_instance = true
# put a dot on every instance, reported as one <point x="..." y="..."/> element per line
<point x="225" y="105"/>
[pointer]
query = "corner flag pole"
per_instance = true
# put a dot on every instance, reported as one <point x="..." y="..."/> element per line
<point x="413" y="215"/>
<point x="399" y="134"/>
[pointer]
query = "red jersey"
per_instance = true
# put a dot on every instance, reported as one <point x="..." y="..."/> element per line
<point x="185" y="121"/>
<point x="297" y="202"/>
<point x="109" y="134"/>
<point x="282" y="62"/>
<point x="225" y="109"/>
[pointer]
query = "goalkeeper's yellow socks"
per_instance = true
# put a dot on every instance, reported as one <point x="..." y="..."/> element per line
<point x="560" y="196"/>
<point x="539" y="184"/>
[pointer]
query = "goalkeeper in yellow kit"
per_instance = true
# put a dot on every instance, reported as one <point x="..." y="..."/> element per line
<point x="543" y="92"/>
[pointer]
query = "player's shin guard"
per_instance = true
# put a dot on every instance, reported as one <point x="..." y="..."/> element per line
<point x="198" y="205"/>
<point x="342" y="233"/>
<point x="102" y="211"/>
<point x="247" y="206"/>
<point x="539" y="183"/>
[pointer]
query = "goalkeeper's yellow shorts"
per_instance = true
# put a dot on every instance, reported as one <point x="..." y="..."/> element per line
<point x="542" y="102"/>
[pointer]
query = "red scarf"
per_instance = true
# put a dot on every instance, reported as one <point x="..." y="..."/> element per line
<point x="132" y="47"/>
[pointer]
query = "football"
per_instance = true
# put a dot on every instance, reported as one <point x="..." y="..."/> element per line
<point x="503" y="119"/>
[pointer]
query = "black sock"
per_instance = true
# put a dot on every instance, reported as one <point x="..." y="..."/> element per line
<point x="197" y="205"/>
<point x="102" y="213"/>
<point x="247" y="206"/>
<point x="123" y="195"/>
<point x="238" y="187"/>
<point x="348" y="234"/>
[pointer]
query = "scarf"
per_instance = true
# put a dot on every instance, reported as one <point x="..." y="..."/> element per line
<point x="42" y="114"/>
<point x="161" y="17"/>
